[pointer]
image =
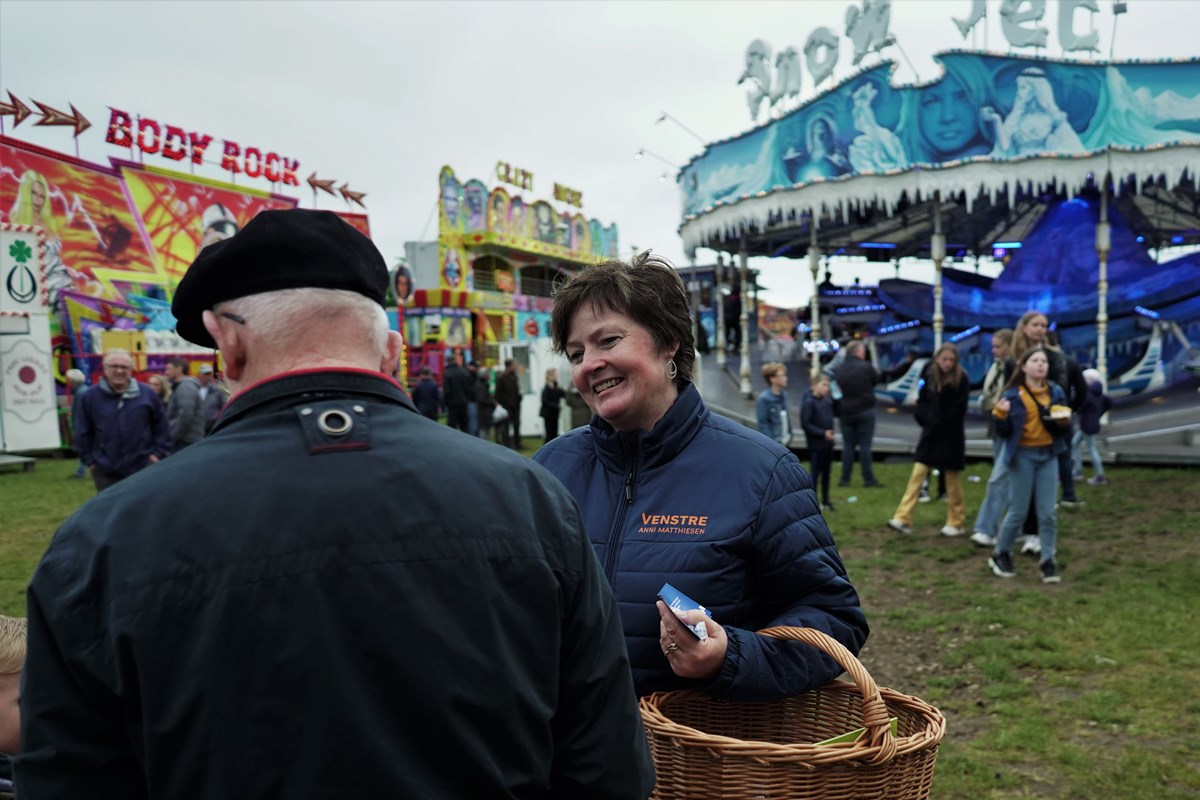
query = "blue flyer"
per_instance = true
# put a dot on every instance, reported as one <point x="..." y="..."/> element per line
<point x="677" y="601"/>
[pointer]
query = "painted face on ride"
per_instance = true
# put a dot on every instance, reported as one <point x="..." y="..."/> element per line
<point x="948" y="117"/>
<point x="1036" y="366"/>
<point x="403" y="285"/>
<point x="618" y="368"/>
<point x="1035" y="328"/>
<point x="1024" y="88"/>
<point x="37" y="196"/>
<point x="822" y="136"/>
<point x="450" y="201"/>
<point x="946" y="361"/>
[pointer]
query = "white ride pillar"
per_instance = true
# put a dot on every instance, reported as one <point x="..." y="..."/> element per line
<point x="937" y="251"/>
<point x="814" y="335"/>
<point x="1103" y="245"/>
<point x="744" y="372"/>
<point x="719" y="300"/>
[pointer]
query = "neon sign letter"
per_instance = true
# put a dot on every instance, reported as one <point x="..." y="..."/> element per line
<point x="119" y="123"/>
<point x="1012" y="15"/>
<point x="1066" y="26"/>
<point x="229" y="161"/>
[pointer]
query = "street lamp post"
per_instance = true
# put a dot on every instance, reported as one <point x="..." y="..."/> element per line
<point x="665" y="116"/>
<point x="643" y="152"/>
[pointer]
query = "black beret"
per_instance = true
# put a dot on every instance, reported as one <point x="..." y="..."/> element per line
<point x="293" y="249"/>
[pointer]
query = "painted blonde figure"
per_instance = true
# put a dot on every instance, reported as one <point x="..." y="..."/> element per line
<point x="1035" y="124"/>
<point x="32" y="207"/>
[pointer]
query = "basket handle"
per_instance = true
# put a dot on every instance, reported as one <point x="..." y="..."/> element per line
<point x="874" y="710"/>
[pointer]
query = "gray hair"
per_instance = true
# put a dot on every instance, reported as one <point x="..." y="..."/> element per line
<point x="288" y="315"/>
<point x="75" y="377"/>
<point x="117" y="351"/>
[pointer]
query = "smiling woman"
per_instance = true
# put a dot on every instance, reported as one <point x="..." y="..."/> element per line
<point x="744" y="534"/>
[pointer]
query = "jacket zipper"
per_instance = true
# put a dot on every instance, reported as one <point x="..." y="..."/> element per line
<point x="624" y="501"/>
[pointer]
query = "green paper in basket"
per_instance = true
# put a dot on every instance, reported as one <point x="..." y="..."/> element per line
<point x="854" y="734"/>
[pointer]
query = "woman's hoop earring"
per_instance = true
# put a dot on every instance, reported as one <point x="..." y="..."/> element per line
<point x="672" y="370"/>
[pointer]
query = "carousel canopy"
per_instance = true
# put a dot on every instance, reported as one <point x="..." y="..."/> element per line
<point x="993" y="142"/>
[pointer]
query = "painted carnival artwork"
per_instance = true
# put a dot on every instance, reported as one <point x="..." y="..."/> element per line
<point x="984" y="108"/>
<point x="118" y="238"/>
<point x="469" y="210"/>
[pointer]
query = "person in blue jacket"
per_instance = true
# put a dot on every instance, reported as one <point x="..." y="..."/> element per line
<point x="1033" y="418"/>
<point x="772" y="406"/>
<point x="673" y="493"/>
<point x="1094" y="406"/>
<point x="817" y="412"/>
<point x="427" y="395"/>
<point x="122" y="427"/>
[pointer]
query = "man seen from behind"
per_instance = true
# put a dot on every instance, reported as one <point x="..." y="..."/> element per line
<point x="352" y="628"/>
<point x="508" y="394"/>
<point x="856" y="378"/>
<point x="458" y="392"/>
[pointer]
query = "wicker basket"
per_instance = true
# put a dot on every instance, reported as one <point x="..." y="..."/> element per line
<point x="706" y="748"/>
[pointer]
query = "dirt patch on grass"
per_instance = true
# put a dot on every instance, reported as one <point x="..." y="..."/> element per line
<point x="909" y="661"/>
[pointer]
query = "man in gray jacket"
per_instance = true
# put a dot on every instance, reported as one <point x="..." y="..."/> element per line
<point x="185" y="409"/>
<point x="212" y="396"/>
<point x="79" y="387"/>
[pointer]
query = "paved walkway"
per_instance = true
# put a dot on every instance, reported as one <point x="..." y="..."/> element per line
<point x="1159" y="429"/>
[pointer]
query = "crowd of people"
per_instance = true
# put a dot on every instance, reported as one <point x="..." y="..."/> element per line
<point x="483" y="401"/>
<point x="1043" y="414"/>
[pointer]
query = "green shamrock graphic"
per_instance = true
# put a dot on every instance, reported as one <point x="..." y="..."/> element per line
<point x="20" y="251"/>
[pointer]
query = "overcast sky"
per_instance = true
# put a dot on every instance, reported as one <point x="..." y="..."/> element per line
<point x="381" y="94"/>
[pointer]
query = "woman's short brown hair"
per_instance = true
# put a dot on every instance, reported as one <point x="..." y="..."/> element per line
<point x="648" y="290"/>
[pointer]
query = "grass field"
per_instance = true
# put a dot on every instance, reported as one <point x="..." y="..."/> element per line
<point x="1083" y="690"/>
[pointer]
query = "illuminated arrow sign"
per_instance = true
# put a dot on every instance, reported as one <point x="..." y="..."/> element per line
<point x="18" y="110"/>
<point x="324" y="185"/>
<point x="351" y="195"/>
<point x="52" y="116"/>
